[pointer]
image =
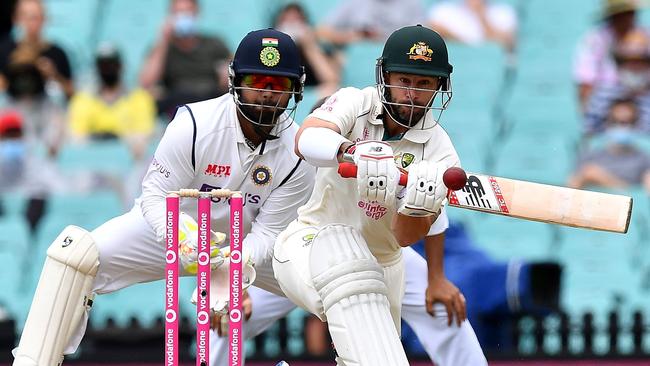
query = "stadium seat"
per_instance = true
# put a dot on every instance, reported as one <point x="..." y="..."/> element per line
<point x="360" y="61"/>
<point x="74" y="33"/>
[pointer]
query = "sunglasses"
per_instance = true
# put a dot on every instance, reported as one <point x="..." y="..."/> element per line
<point x="277" y="83"/>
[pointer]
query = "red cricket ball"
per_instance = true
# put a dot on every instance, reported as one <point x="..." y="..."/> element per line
<point x="454" y="178"/>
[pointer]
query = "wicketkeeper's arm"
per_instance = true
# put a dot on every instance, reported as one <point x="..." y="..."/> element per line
<point x="170" y="169"/>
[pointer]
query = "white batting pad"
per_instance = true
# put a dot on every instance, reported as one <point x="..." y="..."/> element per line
<point x="353" y="289"/>
<point x="61" y="299"/>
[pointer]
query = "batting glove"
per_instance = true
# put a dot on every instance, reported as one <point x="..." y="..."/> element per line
<point x="377" y="175"/>
<point x="425" y="191"/>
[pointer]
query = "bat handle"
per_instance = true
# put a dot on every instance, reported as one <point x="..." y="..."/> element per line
<point x="349" y="170"/>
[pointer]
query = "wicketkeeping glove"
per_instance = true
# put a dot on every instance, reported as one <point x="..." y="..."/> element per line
<point x="188" y="243"/>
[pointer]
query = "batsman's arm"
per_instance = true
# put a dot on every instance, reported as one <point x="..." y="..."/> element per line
<point x="408" y="230"/>
<point x="322" y="138"/>
<point x="170" y="169"/>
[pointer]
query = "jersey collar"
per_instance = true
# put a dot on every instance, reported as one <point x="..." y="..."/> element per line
<point x="415" y="134"/>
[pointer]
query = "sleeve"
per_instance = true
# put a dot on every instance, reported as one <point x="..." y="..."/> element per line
<point x="221" y="51"/>
<point x="143" y="112"/>
<point x="503" y="17"/>
<point x="279" y="209"/>
<point x="60" y="60"/>
<point x="585" y="62"/>
<point x="441" y="224"/>
<point x="342" y="108"/>
<point x="170" y="169"/>
<point x="597" y="110"/>
<point x="5" y="51"/>
<point x="79" y="114"/>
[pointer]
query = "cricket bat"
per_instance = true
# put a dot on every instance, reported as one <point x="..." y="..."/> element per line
<point x="535" y="201"/>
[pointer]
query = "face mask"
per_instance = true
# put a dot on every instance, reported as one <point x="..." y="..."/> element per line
<point x="184" y="24"/>
<point x="634" y="80"/>
<point x="623" y="136"/>
<point x="12" y="157"/>
<point x="18" y="33"/>
<point x="109" y="78"/>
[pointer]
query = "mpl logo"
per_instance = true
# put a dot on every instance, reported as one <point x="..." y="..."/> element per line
<point x="217" y="170"/>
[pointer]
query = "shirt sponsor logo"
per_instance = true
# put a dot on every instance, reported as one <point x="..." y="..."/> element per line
<point x="366" y="134"/>
<point x="160" y="168"/>
<point x="373" y="209"/>
<point x="251" y="198"/>
<point x="217" y="170"/>
<point x="329" y="104"/>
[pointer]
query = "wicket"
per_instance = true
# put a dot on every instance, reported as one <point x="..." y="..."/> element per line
<point x="235" y="341"/>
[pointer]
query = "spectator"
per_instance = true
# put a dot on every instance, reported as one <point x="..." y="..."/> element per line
<point x="29" y="48"/>
<point x="186" y="65"/>
<point x="475" y="21"/>
<point x="373" y="20"/>
<point x="113" y="112"/>
<point x="593" y="64"/>
<point x="321" y="69"/>
<point x="620" y="163"/>
<point x="632" y="56"/>
<point x="12" y="150"/>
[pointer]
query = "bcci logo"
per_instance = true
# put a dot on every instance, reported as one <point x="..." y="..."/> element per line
<point x="270" y="56"/>
<point x="261" y="175"/>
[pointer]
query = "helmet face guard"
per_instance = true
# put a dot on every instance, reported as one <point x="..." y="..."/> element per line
<point x="438" y="102"/>
<point x="273" y="114"/>
<point x="419" y="51"/>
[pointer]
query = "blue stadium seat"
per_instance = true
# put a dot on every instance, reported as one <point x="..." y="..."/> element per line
<point x="506" y="238"/>
<point x="72" y="25"/>
<point x="360" y="61"/>
<point x="113" y="157"/>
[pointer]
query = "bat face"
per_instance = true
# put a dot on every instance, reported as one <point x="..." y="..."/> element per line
<point x="545" y="203"/>
<point x="535" y="201"/>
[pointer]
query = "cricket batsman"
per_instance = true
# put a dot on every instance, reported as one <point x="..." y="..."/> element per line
<point x="243" y="140"/>
<point x="341" y="259"/>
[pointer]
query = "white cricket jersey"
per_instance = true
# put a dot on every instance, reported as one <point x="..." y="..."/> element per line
<point x="204" y="148"/>
<point x="357" y="113"/>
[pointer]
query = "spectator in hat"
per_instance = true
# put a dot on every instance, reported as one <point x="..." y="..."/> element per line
<point x="620" y="163"/>
<point x="113" y="112"/>
<point x="632" y="60"/>
<point x="593" y="63"/>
